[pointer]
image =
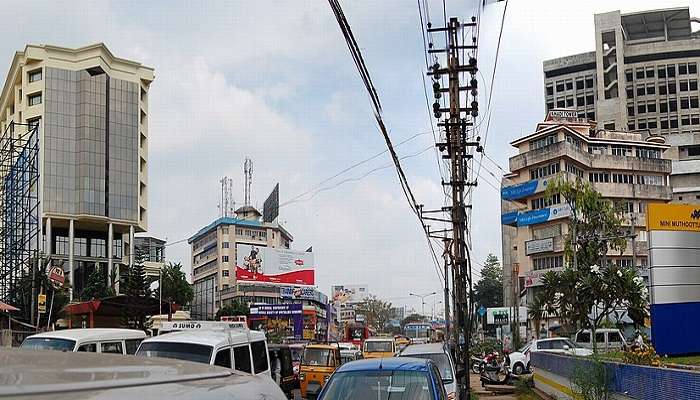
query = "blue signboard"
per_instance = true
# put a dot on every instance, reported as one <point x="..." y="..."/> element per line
<point x="543" y="215"/>
<point x="482" y="311"/>
<point x="275" y="309"/>
<point x="519" y="191"/>
<point x="509" y="218"/>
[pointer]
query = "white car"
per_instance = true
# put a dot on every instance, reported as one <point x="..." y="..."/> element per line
<point x="440" y="355"/>
<point x="519" y="361"/>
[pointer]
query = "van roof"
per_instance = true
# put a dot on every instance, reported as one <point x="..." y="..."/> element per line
<point x="212" y="338"/>
<point x="87" y="334"/>
<point x="380" y="339"/>
<point x="55" y="374"/>
<point x="428" y="348"/>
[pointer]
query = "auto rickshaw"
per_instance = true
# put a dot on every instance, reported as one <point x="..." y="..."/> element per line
<point x="282" y="369"/>
<point x="318" y="362"/>
<point x="401" y="342"/>
<point x="379" y="347"/>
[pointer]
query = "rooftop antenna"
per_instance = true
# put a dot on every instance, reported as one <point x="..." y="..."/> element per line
<point x="248" y="176"/>
<point x="227" y="204"/>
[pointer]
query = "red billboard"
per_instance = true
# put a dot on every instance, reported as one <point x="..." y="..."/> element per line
<point x="265" y="264"/>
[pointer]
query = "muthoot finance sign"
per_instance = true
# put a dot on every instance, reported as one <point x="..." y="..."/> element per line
<point x="673" y="217"/>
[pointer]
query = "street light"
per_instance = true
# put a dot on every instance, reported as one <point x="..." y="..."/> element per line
<point x="422" y="300"/>
<point x="435" y="302"/>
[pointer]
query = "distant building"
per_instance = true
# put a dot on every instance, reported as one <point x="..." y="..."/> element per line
<point x="151" y="252"/>
<point x="91" y="111"/>
<point x="624" y="167"/>
<point x="642" y="76"/>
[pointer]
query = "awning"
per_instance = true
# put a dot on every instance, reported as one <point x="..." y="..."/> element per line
<point x="7" y="308"/>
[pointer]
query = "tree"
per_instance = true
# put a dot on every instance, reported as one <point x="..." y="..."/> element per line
<point x="488" y="291"/>
<point x="412" y="318"/>
<point x="590" y="288"/>
<point x="96" y="286"/>
<point x="136" y="290"/>
<point x="175" y="288"/>
<point x="377" y="312"/>
<point x="235" y="308"/>
<point x="21" y="295"/>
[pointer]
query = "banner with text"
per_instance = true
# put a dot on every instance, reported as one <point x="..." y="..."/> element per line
<point x="266" y="264"/>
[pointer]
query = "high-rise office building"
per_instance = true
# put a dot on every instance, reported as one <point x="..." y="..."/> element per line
<point x="91" y="110"/>
<point x="642" y="76"/>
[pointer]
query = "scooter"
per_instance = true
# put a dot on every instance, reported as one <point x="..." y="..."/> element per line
<point x="494" y="371"/>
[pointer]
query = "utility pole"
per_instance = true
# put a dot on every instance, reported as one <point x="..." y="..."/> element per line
<point x="456" y="147"/>
<point x="446" y="256"/>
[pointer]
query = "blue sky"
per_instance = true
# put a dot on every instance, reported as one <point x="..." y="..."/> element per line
<point x="273" y="81"/>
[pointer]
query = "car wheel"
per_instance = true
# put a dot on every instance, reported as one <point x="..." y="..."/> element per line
<point x="518" y="369"/>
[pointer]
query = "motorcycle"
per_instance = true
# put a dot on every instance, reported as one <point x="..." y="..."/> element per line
<point x="495" y="370"/>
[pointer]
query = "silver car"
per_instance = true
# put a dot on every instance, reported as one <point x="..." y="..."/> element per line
<point x="440" y="354"/>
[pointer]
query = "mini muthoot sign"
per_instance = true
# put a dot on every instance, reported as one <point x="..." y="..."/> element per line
<point x="56" y="276"/>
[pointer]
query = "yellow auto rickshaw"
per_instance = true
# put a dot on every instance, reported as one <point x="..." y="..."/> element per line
<point x="318" y="362"/>
<point x="379" y="347"/>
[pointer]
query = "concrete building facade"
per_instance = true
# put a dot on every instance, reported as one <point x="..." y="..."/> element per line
<point x="150" y="251"/>
<point x="624" y="167"/>
<point x="642" y="77"/>
<point x="92" y="112"/>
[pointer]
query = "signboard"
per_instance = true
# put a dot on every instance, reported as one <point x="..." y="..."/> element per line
<point x="267" y="264"/>
<point x="543" y="215"/>
<point x="539" y="246"/>
<point x="482" y="311"/>
<point x="673" y="217"/>
<point x="360" y="317"/>
<point x="510" y="218"/>
<point x="521" y="190"/>
<point x="271" y="206"/>
<point x="534" y="278"/>
<point x="349" y="294"/>
<point x="275" y="309"/>
<point x="564" y="115"/>
<point x="41" y="301"/>
<point x="501" y="315"/>
<point x="305" y="293"/>
<point x="56" y="277"/>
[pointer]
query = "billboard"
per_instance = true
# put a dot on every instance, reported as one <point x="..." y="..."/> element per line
<point x="501" y="315"/>
<point x="349" y="294"/>
<point x="270" y="265"/>
<point x="271" y="206"/>
<point x="298" y="293"/>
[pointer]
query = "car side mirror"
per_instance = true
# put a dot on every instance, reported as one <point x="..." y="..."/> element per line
<point x="566" y="347"/>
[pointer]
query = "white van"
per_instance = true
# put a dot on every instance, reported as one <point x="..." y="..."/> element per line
<point x="606" y="339"/>
<point x="226" y="344"/>
<point x="54" y="375"/>
<point x="90" y="340"/>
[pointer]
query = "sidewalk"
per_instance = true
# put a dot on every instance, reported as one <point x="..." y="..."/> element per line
<point x="485" y="394"/>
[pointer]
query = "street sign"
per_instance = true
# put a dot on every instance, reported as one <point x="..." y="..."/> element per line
<point x="482" y="311"/>
<point x="42" y="303"/>
<point x="56" y="277"/>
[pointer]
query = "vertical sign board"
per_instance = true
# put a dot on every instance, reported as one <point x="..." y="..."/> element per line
<point x="674" y="277"/>
<point x="271" y="206"/>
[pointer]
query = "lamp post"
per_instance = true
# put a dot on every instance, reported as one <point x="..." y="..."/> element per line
<point x="435" y="302"/>
<point x="422" y="300"/>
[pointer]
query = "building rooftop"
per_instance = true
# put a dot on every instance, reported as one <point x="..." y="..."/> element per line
<point x="238" y="222"/>
<point x="669" y="24"/>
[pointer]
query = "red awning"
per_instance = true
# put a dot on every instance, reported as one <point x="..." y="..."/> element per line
<point x="6" y="307"/>
<point x="84" y="307"/>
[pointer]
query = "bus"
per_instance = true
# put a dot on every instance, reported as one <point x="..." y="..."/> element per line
<point x="356" y="332"/>
<point x="418" y="332"/>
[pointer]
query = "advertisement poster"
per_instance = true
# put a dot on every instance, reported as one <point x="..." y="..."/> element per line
<point x="349" y="294"/>
<point x="266" y="264"/>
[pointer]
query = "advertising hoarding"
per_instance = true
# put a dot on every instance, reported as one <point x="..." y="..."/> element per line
<point x="349" y="294"/>
<point x="543" y="215"/>
<point x="302" y="293"/>
<point x="271" y="206"/>
<point x="539" y="246"/>
<point x="266" y="264"/>
<point x="501" y="315"/>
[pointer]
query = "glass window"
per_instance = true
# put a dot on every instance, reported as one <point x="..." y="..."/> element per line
<point x="683" y="86"/>
<point x="560" y="86"/>
<point x="241" y="358"/>
<point x="682" y="69"/>
<point x="579" y="84"/>
<point x="583" y="337"/>
<point x="34" y="75"/>
<point x="132" y="345"/>
<point x="671" y="71"/>
<point x="225" y="273"/>
<point x="662" y="88"/>
<point x="441" y="360"/>
<point x="640" y="73"/>
<point x="48" y="344"/>
<point x="651" y="107"/>
<point x="589" y="82"/>
<point x="223" y="358"/>
<point x="112" y="347"/>
<point x="259" y="351"/>
<point x="225" y="245"/>
<point x="380" y="385"/>
<point x="693" y="85"/>
<point x="641" y="108"/>
<point x="650" y="72"/>
<point x="692" y="68"/>
<point x="569" y="85"/>
<point x="600" y="337"/>
<point x="628" y="75"/>
<point x="614" y="337"/>
<point x="661" y="72"/>
<point x="180" y="351"/>
<point x="641" y="90"/>
<point x="685" y="103"/>
<point x="630" y="92"/>
<point x="88" y="348"/>
<point x="671" y="88"/>
<point x="224" y="259"/>
<point x="34" y="99"/>
<point x="544" y="345"/>
<point x="550" y="90"/>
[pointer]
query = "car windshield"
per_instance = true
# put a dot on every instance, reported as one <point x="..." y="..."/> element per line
<point x="380" y="385"/>
<point x="382" y="346"/>
<point x="524" y="348"/>
<point x="48" y="344"/>
<point x="181" y="351"/>
<point x="296" y="355"/>
<point x="316" y="357"/>
<point x="442" y="361"/>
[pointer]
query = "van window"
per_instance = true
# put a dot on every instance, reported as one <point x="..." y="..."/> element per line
<point x="557" y="344"/>
<point x="112" y="347"/>
<point x="600" y="337"/>
<point x="259" y="356"/>
<point x="88" y="347"/>
<point x="39" y="343"/>
<point x="544" y="345"/>
<point x="180" y="351"/>
<point x="241" y="357"/>
<point x="614" y="337"/>
<point x="132" y="345"/>
<point x="583" y="337"/>
<point x="223" y="358"/>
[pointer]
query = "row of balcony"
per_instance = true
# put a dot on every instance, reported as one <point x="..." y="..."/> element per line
<point x="592" y="161"/>
<point x="641" y="247"/>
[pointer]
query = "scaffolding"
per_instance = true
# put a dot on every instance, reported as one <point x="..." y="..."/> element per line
<point x="20" y="238"/>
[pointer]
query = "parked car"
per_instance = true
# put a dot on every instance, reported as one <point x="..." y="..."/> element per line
<point x="440" y="355"/>
<point x="386" y="378"/>
<point x="519" y="361"/>
<point x="89" y="340"/>
<point x="282" y="368"/>
<point x="606" y="339"/>
<point x="349" y="355"/>
<point x="54" y="375"/>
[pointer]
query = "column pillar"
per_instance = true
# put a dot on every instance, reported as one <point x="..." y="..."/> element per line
<point x="71" y="255"/>
<point x="110" y="255"/>
<point x="49" y="243"/>
<point x="131" y="246"/>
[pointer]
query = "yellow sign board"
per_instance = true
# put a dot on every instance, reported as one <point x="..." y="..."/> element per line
<point x="673" y="217"/>
<point x="42" y="303"/>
